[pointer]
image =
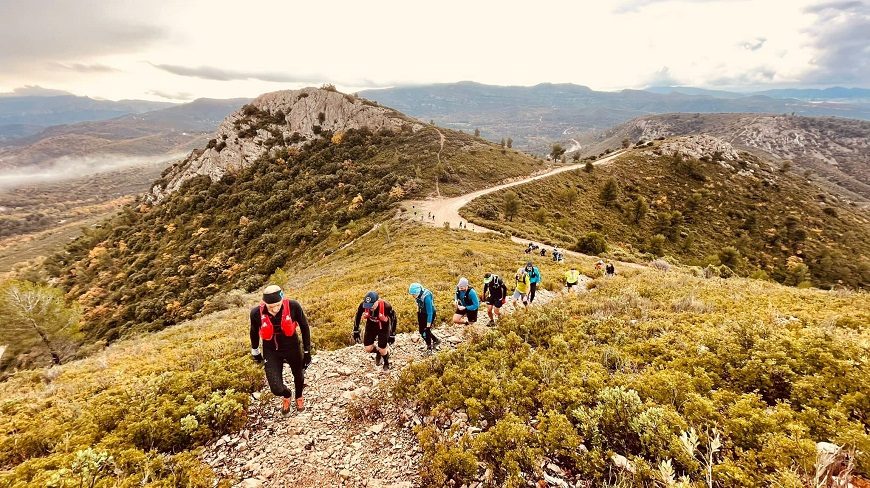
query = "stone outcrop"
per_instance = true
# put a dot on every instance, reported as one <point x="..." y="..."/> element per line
<point x="282" y="119"/>
<point x="700" y="146"/>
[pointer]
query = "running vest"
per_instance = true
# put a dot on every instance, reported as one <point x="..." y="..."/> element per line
<point x="523" y="283"/>
<point x="571" y="276"/>
<point x="380" y="317"/>
<point x="288" y="325"/>
<point x="467" y="301"/>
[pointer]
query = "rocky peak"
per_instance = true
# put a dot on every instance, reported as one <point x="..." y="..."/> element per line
<point x="700" y="147"/>
<point x="282" y="119"/>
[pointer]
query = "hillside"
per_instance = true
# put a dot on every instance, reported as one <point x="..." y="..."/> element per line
<point x="675" y="351"/>
<point x="724" y="208"/>
<point x="279" y="202"/>
<point x="536" y="116"/>
<point x="834" y="148"/>
<point x="160" y="132"/>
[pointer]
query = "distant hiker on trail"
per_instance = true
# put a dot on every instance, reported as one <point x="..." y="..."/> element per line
<point x="534" y="278"/>
<point x="572" y="277"/>
<point x="276" y="320"/>
<point x="521" y="287"/>
<point x="599" y="266"/>
<point x="543" y="252"/>
<point x="609" y="270"/>
<point x="380" y="321"/>
<point x="425" y="315"/>
<point x="494" y="294"/>
<point x="466" y="302"/>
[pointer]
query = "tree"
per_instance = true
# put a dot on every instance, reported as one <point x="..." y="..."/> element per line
<point x="625" y="143"/>
<point x="639" y="210"/>
<point x="588" y="167"/>
<point x="610" y="192"/>
<point x="557" y="151"/>
<point x="511" y="205"/>
<point x="569" y="196"/>
<point x="476" y="132"/>
<point x="503" y="142"/>
<point x="40" y="311"/>
<point x="729" y="256"/>
<point x="510" y="142"/>
<point x="591" y="243"/>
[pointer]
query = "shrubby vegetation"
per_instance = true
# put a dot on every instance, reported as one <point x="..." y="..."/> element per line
<point x="156" y="266"/>
<point x="643" y="360"/>
<point x="696" y="213"/>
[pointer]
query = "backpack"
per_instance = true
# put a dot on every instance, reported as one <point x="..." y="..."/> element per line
<point x="467" y="301"/>
<point x="381" y="318"/>
<point x="267" y="329"/>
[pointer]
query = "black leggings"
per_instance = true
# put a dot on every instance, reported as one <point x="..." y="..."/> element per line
<point x="425" y="333"/>
<point x="275" y="359"/>
<point x="532" y="292"/>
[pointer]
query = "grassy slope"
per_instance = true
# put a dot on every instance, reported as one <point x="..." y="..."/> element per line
<point x="835" y="247"/>
<point x="130" y="398"/>
<point x="642" y="358"/>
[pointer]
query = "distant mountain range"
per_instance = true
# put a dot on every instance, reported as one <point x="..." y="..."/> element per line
<point x="833" y="94"/>
<point x="27" y="115"/>
<point x="163" y="132"/>
<point x="535" y="116"/>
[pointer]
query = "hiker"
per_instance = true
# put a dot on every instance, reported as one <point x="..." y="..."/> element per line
<point x="277" y="321"/>
<point x="466" y="302"/>
<point x="534" y="278"/>
<point x="521" y="287"/>
<point x="494" y="294"/>
<point x="572" y="277"/>
<point x="425" y="315"/>
<point x="599" y="265"/>
<point x="610" y="270"/>
<point x="543" y="252"/>
<point x="380" y="325"/>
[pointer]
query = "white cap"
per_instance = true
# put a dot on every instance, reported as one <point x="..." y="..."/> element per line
<point x="463" y="282"/>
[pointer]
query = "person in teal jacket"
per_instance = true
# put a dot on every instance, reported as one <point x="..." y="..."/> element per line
<point x="466" y="302"/>
<point x="534" y="279"/>
<point x="425" y="314"/>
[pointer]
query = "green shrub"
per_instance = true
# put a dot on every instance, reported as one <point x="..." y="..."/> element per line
<point x="592" y="243"/>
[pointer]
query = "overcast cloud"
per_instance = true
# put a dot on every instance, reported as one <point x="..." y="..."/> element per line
<point x="175" y="49"/>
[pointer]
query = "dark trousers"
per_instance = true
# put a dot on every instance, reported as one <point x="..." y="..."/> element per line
<point x="425" y="332"/>
<point x="291" y="354"/>
<point x="532" y="292"/>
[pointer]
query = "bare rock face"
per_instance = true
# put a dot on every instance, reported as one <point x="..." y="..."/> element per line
<point x="699" y="146"/>
<point x="282" y="119"/>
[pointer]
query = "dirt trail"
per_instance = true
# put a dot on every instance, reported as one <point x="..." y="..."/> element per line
<point x="345" y="437"/>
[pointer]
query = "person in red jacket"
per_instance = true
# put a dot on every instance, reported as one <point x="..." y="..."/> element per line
<point x="380" y="330"/>
<point x="279" y="322"/>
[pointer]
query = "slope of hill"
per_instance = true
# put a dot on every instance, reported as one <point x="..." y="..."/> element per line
<point x="665" y="346"/>
<point x="837" y="149"/>
<point x="536" y="116"/>
<point x="727" y="208"/>
<point x="234" y="226"/>
<point x="160" y="132"/>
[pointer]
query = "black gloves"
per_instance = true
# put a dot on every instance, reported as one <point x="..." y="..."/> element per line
<point x="306" y="360"/>
<point x="356" y="335"/>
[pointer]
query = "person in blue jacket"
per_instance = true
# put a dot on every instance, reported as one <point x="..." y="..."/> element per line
<point x="425" y="314"/>
<point x="534" y="279"/>
<point x="466" y="302"/>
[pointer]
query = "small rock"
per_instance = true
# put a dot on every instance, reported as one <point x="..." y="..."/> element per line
<point x="376" y="429"/>
<point x="250" y="483"/>
<point x="555" y="469"/>
<point x="345" y="473"/>
<point x="622" y="462"/>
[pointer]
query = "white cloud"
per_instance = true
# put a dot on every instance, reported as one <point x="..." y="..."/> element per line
<point x="227" y="49"/>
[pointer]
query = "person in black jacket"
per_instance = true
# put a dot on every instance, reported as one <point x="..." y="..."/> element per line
<point x="279" y="322"/>
<point x="380" y="324"/>
<point x="494" y="294"/>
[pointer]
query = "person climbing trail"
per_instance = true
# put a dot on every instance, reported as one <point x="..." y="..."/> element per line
<point x="521" y="287"/>
<point x="609" y="269"/>
<point x="534" y="279"/>
<point x="425" y="315"/>
<point x="572" y="277"/>
<point x="494" y="294"/>
<point x="380" y="327"/>
<point x="466" y="302"/>
<point x="277" y="321"/>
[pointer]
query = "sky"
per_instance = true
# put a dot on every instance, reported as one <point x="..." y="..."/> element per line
<point x="181" y="50"/>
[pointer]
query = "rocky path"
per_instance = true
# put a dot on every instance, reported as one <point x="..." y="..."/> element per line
<point x="347" y="436"/>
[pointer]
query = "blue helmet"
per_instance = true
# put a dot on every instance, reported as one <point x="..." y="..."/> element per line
<point x="415" y="289"/>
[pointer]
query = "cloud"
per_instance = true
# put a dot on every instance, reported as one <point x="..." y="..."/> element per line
<point x="755" y="44"/>
<point x="85" y="68"/>
<point x="172" y="96"/>
<point x="759" y="76"/>
<point x="662" y="77"/>
<point x="34" y="91"/>
<point x="220" y="74"/>
<point x="841" y="36"/>
<point x="36" y="32"/>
